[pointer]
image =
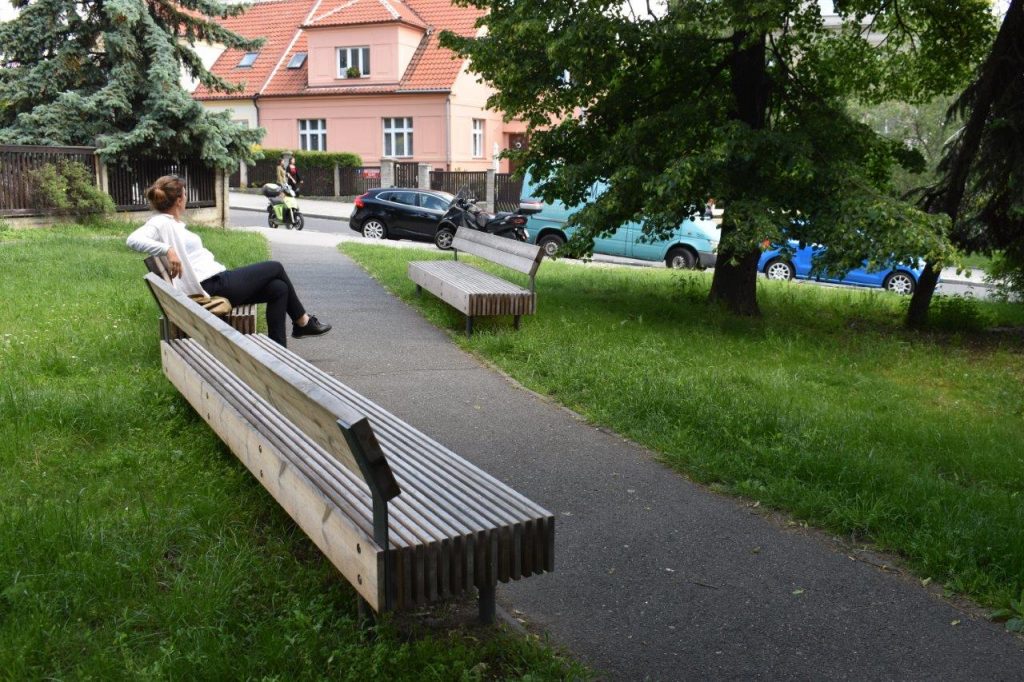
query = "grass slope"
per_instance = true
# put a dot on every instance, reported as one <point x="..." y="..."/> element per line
<point x="132" y="543"/>
<point x="825" y="407"/>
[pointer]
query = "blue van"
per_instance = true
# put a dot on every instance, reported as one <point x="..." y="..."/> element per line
<point x="693" y="244"/>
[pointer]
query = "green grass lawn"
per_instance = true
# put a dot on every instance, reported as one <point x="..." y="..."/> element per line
<point x="825" y="407"/>
<point x="132" y="543"/>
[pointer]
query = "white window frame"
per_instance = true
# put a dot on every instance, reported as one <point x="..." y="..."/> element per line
<point x="478" y="138"/>
<point x="358" y="55"/>
<point x="397" y="136"/>
<point x="313" y="134"/>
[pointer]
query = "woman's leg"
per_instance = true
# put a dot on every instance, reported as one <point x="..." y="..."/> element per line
<point x="265" y="282"/>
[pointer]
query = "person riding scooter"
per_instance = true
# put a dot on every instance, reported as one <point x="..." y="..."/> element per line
<point x="283" y="208"/>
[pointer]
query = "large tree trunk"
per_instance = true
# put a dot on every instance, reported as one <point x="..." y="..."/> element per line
<point x="735" y="283"/>
<point x="917" y="314"/>
<point x="990" y="85"/>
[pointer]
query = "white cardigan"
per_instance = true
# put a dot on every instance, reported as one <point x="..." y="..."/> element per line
<point x="162" y="232"/>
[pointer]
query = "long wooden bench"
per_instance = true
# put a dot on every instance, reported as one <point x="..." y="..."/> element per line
<point x="404" y="519"/>
<point x="241" y="317"/>
<point x="474" y="292"/>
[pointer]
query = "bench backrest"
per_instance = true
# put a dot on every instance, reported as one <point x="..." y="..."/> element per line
<point x="508" y="252"/>
<point x="159" y="266"/>
<point x="316" y="412"/>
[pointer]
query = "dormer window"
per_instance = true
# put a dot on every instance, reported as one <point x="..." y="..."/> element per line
<point x="248" y="59"/>
<point x="297" y="60"/>
<point x="353" y="62"/>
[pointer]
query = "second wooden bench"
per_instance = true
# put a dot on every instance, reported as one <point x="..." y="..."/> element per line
<point x="474" y="292"/>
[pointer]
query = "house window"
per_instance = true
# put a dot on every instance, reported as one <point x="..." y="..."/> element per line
<point x="298" y="59"/>
<point x="354" y="58"/>
<point x="398" y="137"/>
<point x="248" y="59"/>
<point x="313" y="134"/>
<point x="478" y="138"/>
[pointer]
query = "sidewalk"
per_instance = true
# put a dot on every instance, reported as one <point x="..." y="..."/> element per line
<point x="655" y="577"/>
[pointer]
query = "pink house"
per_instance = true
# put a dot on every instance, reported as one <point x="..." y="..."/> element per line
<point x="364" y="76"/>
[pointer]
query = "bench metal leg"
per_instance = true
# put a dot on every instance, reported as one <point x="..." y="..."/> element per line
<point x="419" y="291"/>
<point x="365" y="614"/>
<point x="469" y="326"/>
<point x="516" y="321"/>
<point x="487" y="604"/>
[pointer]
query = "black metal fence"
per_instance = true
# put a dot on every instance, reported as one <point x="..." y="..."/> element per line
<point x="127" y="182"/>
<point x="17" y="162"/>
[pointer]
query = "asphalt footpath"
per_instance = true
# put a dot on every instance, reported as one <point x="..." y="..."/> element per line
<point x="655" y="577"/>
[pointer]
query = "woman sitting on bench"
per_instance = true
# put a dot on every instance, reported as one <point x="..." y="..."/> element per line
<point x="195" y="271"/>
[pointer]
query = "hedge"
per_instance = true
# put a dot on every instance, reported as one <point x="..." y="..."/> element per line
<point x="306" y="159"/>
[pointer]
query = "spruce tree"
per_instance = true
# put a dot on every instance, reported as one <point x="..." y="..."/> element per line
<point x="107" y="73"/>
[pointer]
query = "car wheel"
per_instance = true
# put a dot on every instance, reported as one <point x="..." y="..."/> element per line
<point x="270" y="221"/>
<point x="374" y="229"/>
<point x="681" y="259"/>
<point x="551" y="244"/>
<point x="300" y="222"/>
<point x="779" y="269"/>
<point x="443" y="238"/>
<point x="899" y="282"/>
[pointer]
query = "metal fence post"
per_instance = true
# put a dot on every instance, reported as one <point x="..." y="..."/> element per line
<point x="423" y="176"/>
<point x="387" y="173"/>
<point x="489" y="191"/>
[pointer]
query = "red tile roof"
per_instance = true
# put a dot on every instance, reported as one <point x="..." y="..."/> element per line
<point x="356" y="12"/>
<point x="274" y="20"/>
<point x="281" y="22"/>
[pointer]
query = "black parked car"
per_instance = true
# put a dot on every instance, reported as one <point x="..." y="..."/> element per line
<point x="399" y="213"/>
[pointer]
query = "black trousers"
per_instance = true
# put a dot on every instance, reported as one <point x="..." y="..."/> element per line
<point x="265" y="282"/>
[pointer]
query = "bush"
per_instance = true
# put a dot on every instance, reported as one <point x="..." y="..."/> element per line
<point x="958" y="314"/>
<point x="69" y="189"/>
<point x="1006" y="274"/>
<point x="318" y="159"/>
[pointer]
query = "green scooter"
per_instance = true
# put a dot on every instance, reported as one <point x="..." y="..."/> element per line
<point x="283" y="209"/>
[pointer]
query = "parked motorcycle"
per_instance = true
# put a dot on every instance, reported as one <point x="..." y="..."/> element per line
<point x="283" y="208"/>
<point x="463" y="212"/>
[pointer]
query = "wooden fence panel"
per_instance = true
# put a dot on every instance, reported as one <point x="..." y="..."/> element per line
<point x="406" y="174"/>
<point x="17" y="195"/>
<point x="453" y="181"/>
<point x="356" y="181"/>
<point x="127" y="182"/>
<point x="507" y="190"/>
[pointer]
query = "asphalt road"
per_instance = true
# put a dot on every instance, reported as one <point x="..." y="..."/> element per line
<point x="241" y="217"/>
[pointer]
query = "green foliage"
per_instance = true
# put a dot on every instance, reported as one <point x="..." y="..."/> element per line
<point x="1006" y="273"/>
<point x="1013" y="615"/>
<point x="353" y="72"/>
<point x="826" y="407"/>
<point x="959" y="314"/>
<point x="306" y="159"/>
<point x="69" y="188"/>
<point x="107" y="73"/>
<point x="133" y="544"/>
<point x="745" y="102"/>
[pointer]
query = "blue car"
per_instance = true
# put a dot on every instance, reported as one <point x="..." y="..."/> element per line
<point x="776" y="265"/>
<point x="692" y="244"/>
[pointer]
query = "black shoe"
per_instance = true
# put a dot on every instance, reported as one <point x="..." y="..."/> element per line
<point x="314" y="327"/>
